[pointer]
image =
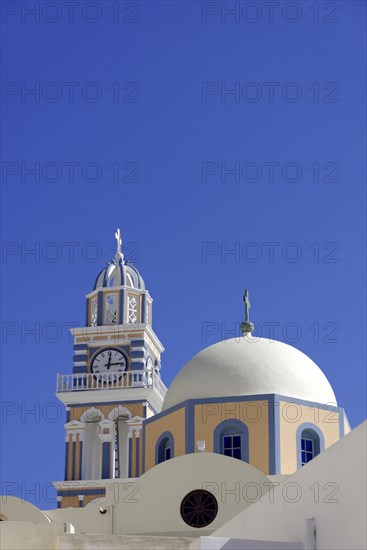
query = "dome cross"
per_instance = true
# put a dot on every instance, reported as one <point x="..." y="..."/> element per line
<point x="247" y="305"/>
<point x="247" y="327"/>
<point x="119" y="255"/>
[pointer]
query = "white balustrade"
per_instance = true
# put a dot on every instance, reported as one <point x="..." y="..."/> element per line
<point x="110" y="380"/>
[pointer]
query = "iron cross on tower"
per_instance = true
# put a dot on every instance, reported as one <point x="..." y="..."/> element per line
<point x="119" y="255"/>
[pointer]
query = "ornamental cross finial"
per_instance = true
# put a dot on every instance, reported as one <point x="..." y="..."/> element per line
<point x="247" y="327"/>
<point x="119" y="255"/>
<point x="246" y="299"/>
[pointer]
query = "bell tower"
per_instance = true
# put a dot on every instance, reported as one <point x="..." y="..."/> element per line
<point x="115" y="383"/>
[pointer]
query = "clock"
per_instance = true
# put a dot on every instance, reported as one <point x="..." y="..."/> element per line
<point x="109" y="360"/>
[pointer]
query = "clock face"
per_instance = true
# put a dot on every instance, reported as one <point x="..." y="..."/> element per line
<point x="109" y="360"/>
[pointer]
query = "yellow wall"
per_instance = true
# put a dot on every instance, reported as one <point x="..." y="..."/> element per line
<point x="72" y="500"/>
<point x="293" y="415"/>
<point x="254" y="414"/>
<point x="174" y="423"/>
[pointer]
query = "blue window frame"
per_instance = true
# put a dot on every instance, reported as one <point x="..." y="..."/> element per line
<point x="307" y="450"/>
<point x="231" y="439"/>
<point x="164" y="449"/>
<point x="310" y="443"/>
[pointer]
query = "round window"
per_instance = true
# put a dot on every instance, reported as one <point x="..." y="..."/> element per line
<point x="199" y="508"/>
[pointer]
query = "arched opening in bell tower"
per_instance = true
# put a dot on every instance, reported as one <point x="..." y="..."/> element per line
<point x="92" y="444"/>
<point x="121" y="447"/>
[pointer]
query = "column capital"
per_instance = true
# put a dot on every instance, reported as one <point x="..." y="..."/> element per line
<point x="106" y="438"/>
<point x="74" y="428"/>
<point x="135" y="425"/>
<point x="106" y="424"/>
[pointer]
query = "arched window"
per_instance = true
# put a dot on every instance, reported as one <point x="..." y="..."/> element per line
<point x="129" y="281"/>
<point x="111" y="309"/>
<point x="310" y="442"/>
<point x="164" y="448"/>
<point x="231" y="439"/>
<point x="93" y="312"/>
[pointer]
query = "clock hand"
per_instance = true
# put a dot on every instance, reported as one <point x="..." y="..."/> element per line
<point x="109" y="361"/>
<point x="111" y="364"/>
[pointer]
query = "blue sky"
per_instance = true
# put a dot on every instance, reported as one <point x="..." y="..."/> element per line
<point x="136" y="121"/>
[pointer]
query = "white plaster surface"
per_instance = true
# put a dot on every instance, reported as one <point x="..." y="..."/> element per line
<point x="16" y="509"/>
<point x="338" y="477"/>
<point x="250" y="366"/>
<point x="151" y="504"/>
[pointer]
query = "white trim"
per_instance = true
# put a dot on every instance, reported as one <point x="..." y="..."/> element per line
<point x="120" y="411"/>
<point x="86" y="414"/>
<point x="106" y="396"/>
<point x="89" y="333"/>
<point x="74" y="427"/>
<point x="106" y="438"/>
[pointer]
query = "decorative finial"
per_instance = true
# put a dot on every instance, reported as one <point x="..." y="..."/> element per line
<point x="246" y="327"/>
<point x="119" y="255"/>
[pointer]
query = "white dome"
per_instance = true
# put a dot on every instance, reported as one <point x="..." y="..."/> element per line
<point x="250" y="366"/>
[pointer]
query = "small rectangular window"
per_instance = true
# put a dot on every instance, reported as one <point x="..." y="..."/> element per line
<point x="133" y="309"/>
<point x="93" y="312"/>
<point x="111" y="309"/>
<point x="232" y="446"/>
<point x="307" y="450"/>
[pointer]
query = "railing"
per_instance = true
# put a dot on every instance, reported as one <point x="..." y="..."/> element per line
<point x="110" y="380"/>
<point x="159" y="384"/>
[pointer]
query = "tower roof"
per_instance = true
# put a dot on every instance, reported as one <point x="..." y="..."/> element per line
<point x="118" y="272"/>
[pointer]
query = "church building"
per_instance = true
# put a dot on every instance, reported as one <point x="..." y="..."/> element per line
<point x="244" y="419"/>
